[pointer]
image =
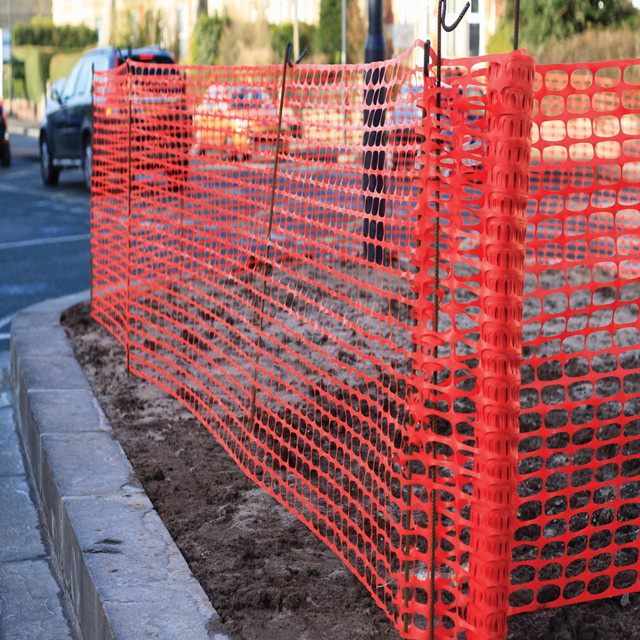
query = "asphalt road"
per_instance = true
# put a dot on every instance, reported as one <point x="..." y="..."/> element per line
<point x="44" y="234"/>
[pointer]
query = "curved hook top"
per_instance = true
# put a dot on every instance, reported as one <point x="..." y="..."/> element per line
<point x="287" y="55"/>
<point x="442" y="10"/>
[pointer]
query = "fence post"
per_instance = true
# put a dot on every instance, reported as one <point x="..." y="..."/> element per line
<point x="493" y="510"/>
<point x="471" y="232"/>
<point x="129" y="186"/>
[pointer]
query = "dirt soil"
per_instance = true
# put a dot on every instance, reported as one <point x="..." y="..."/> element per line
<point x="266" y="574"/>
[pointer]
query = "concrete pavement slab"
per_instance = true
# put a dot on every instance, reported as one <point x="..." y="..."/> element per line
<point x="31" y="600"/>
<point x="30" y="603"/>
<point x="20" y="536"/>
<point x="68" y="412"/>
<point x="11" y="463"/>
<point x="73" y="460"/>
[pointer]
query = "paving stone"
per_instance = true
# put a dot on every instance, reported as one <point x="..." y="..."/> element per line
<point x="30" y="603"/>
<point x="20" y="537"/>
<point x="11" y="462"/>
<point x="5" y="399"/>
<point x="52" y="373"/>
<point x="67" y="411"/>
<point x="45" y="343"/>
<point x="125" y="543"/>
<point x="138" y="613"/>
<point x="73" y="459"/>
<point x="124" y="573"/>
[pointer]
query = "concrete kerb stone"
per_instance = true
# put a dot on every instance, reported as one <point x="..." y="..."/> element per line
<point x="125" y="575"/>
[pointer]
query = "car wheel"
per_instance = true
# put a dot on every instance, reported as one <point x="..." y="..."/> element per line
<point x="49" y="173"/>
<point x="6" y="157"/>
<point x="86" y="163"/>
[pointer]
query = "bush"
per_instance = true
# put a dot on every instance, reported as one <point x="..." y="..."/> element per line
<point x="19" y="85"/>
<point x="502" y="40"/>
<point x="594" y="45"/>
<point x="280" y="34"/>
<point x="42" y="32"/>
<point x="205" y="43"/>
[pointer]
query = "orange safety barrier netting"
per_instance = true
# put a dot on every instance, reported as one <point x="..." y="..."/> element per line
<point x="576" y="537"/>
<point x="463" y="434"/>
<point x="346" y="316"/>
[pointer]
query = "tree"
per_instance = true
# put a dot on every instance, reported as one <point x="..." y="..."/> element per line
<point x="356" y="33"/>
<point x="542" y="21"/>
<point x="207" y="33"/>
<point x="329" y="33"/>
<point x="139" y="31"/>
<point x="283" y="33"/>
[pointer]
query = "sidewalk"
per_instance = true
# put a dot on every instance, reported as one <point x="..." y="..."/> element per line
<point x="31" y="601"/>
<point x="124" y="576"/>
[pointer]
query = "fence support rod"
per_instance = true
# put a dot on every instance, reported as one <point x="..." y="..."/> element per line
<point x="287" y="63"/>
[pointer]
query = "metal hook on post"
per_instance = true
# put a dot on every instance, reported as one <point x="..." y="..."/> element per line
<point x="442" y="10"/>
<point x="288" y="55"/>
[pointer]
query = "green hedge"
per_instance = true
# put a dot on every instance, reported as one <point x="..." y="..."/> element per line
<point x="31" y="71"/>
<point x="42" y="32"/>
<point x="62" y="63"/>
<point x="19" y="85"/>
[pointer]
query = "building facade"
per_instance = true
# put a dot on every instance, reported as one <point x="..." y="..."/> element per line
<point x="14" y="12"/>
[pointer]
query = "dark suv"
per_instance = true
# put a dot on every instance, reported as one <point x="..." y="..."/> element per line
<point x="65" y="133"/>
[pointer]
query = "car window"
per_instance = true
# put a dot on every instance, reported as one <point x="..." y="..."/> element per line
<point x="70" y="85"/>
<point x="83" y="85"/>
<point x="100" y="63"/>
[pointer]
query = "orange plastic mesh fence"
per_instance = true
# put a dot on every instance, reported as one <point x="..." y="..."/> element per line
<point x="348" y="321"/>
<point x="252" y="299"/>
<point x="577" y="537"/>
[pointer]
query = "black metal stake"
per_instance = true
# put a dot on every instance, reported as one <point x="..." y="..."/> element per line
<point x="442" y="10"/>
<point x="287" y="63"/>
<point x="409" y="494"/>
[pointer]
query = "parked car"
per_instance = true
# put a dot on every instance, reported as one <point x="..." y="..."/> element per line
<point x="65" y="133"/>
<point x="236" y="120"/>
<point x="5" y="147"/>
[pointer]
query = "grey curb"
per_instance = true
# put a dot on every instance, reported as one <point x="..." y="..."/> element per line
<point x="125" y="576"/>
<point x="18" y="128"/>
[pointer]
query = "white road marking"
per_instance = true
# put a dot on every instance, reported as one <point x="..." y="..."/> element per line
<point x="7" y="319"/>
<point x="35" y="242"/>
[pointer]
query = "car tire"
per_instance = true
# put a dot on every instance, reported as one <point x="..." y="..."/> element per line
<point x="49" y="173"/>
<point x="6" y="157"/>
<point x="86" y="163"/>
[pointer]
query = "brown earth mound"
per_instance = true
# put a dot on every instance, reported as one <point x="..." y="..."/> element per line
<point x="266" y="574"/>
